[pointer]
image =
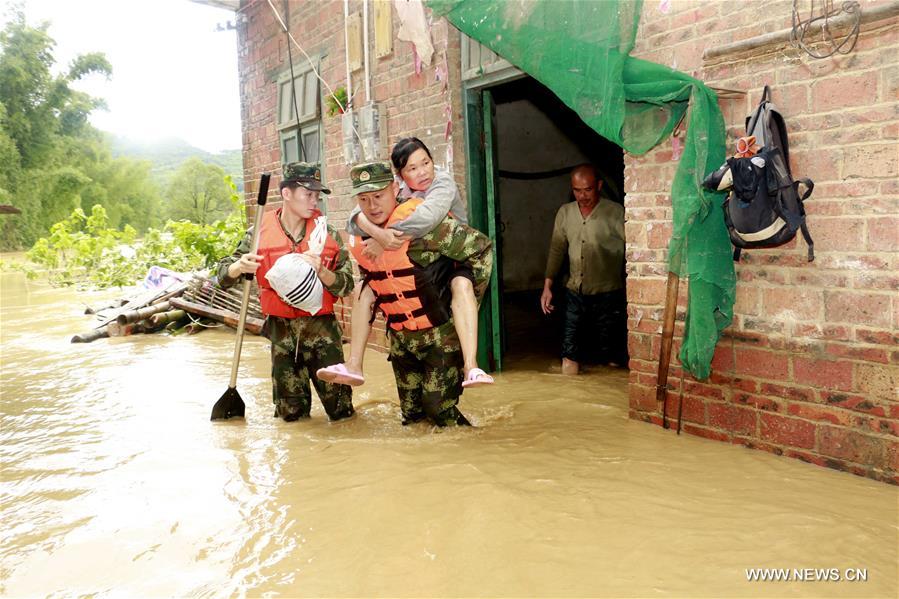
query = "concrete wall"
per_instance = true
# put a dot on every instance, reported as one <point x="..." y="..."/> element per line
<point x="528" y="141"/>
<point x="809" y="367"/>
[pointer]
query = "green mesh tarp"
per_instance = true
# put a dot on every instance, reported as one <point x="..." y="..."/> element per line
<point x="580" y="49"/>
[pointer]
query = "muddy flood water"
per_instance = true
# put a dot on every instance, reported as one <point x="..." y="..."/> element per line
<point x="115" y="483"/>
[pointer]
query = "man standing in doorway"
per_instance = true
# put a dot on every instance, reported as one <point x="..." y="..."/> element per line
<point x="590" y="232"/>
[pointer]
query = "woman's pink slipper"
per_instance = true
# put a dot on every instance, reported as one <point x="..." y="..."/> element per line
<point x="476" y="378"/>
<point x="339" y="375"/>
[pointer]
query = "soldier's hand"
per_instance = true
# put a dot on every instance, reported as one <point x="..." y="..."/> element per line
<point x="546" y="299"/>
<point x="248" y="263"/>
<point x="395" y="240"/>
<point x="314" y="261"/>
<point x="373" y="249"/>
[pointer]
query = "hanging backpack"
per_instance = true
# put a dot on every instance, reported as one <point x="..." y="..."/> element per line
<point x="764" y="208"/>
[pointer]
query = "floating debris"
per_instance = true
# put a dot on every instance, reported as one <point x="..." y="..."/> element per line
<point x="184" y="301"/>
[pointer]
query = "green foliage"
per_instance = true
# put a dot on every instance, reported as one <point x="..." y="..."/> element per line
<point x="85" y="250"/>
<point x="52" y="161"/>
<point x="198" y="192"/>
<point x="337" y="102"/>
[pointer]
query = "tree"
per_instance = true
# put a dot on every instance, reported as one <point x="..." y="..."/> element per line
<point x="51" y="158"/>
<point x="198" y="192"/>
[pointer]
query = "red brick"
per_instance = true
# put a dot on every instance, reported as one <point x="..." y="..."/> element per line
<point x="838" y="234"/>
<point x="761" y="363"/>
<point x="707" y="433"/>
<point x="854" y="352"/>
<point x="825" y="331"/>
<point x="741" y="421"/>
<point x="865" y="280"/>
<point x="826" y="374"/>
<point x="850" y="445"/>
<point x="853" y="262"/>
<point x="639" y="346"/>
<point x="723" y="359"/>
<point x="703" y="390"/>
<point x="647" y="291"/>
<point x="883" y="233"/>
<point x="757" y="401"/>
<point x="883" y="426"/>
<point x="643" y="398"/>
<point x="858" y="308"/>
<point x="787" y="431"/>
<point x="838" y="93"/>
<point x="870" y="160"/>
<point x="783" y="392"/>
<point x="818" y="278"/>
<point x="793" y="303"/>
<point x="856" y="403"/>
<point x="747" y="385"/>
<point x="693" y="409"/>
<point x="816" y="412"/>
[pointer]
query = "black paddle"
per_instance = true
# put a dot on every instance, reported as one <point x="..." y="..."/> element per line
<point x="231" y="404"/>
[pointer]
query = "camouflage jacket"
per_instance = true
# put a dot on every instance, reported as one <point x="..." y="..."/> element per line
<point x="343" y="268"/>
<point x="458" y="242"/>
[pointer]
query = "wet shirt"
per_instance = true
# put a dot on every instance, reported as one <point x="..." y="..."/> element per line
<point x="440" y="198"/>
<point x="343" y="268"/>
<point x="594" y="246"/>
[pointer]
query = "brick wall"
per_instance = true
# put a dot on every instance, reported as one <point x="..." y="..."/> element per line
<point x="413" y="103"/>
<point x="809" y="367"/>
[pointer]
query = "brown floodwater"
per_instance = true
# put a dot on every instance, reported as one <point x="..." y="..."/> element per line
<point x="115" y="482"/>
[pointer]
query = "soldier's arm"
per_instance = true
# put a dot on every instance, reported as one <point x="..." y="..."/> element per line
<point x="221" y="268"/>
<point x="342" y="269"/>
<point x="469" y="246"/>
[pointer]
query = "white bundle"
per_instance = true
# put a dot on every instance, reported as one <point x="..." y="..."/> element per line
<point x="319" y="236"/>
<point x="295" y="282"/>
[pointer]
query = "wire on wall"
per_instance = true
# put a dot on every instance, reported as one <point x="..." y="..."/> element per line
<point x="290" y="38"/>
<point x="828" y="44"/>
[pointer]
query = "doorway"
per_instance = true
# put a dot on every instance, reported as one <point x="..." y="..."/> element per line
<point x="523" y="142"/>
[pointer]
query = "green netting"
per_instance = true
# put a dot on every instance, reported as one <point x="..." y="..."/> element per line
<point x="580" y="50"/>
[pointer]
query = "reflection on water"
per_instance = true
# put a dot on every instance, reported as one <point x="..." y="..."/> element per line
<point x="114" y="481"/>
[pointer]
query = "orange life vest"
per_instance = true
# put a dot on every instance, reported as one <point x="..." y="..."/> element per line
<point x="400" y="284"/>
<point x="274" y="243"/>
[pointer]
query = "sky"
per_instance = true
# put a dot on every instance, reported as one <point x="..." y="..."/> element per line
<point x="173" y="74"/>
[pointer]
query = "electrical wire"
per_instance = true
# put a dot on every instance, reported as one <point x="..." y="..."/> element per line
<point x="802" y="27"/>
<point x="301" y="147"/>
<point x="290" y="38"/>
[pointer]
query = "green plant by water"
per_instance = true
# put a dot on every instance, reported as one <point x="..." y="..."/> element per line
<point x="83" y="249"/>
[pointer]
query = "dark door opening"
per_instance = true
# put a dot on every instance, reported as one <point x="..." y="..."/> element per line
<point x="538" y="140"/>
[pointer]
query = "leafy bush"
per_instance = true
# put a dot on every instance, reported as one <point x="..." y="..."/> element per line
<point x="83" y="250"/>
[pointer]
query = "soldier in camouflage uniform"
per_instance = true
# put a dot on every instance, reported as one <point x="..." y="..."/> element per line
<point x="424" y="347"/>
<point x="301" y="342"/>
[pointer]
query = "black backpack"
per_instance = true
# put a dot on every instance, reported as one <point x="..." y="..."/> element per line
<point x="764" y="208"/>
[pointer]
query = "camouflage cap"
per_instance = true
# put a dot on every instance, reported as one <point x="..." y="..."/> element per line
<point x="371" y="176"/>
<point x="307" y="174"/>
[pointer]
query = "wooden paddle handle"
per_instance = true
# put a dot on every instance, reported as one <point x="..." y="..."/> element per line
<point x="667" y="340"/>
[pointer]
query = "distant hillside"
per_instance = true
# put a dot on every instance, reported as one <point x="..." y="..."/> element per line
<point x="168" y="154"/>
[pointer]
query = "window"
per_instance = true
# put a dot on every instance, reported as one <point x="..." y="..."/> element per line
<point x="308" y="125"/>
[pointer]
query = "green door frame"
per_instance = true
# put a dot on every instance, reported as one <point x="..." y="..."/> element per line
<point x="483" y="211"/>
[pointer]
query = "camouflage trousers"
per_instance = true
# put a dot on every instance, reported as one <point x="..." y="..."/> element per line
<point x="300" y="346"/>
<point x="428" y="370"/>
